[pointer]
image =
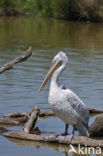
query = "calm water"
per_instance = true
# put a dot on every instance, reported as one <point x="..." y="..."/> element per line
<point x="82" y="42"/>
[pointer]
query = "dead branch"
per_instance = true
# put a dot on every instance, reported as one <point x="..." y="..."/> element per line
<point x="54" y="139"/>
<point x="93" y="110"/>
<point x="23" y="117"/>
<point x="13" y="120"/>
<point x="9" y="121"/>
<point x="42" y="114"/>
<point x="32" y="120"/>
<point x="21" y="58"/>
<point x="46" y="114"/>
<point x="3" y="130"/>
<point x="16" y="115"/>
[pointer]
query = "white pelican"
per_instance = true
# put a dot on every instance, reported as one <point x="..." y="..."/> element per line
<point x="64" y="103"/>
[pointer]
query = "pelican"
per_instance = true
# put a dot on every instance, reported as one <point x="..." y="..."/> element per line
<point x="65" y="103"/>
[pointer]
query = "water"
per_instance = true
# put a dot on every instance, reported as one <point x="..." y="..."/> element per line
<point x="82" y="42"/>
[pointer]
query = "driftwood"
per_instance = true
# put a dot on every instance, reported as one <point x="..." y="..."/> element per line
<point x="93" y="110"/>
<point x="20" y="118"/>
<point x="23" y="117"/>
<point x="18" y="115"/>
<point x="9" y="121"/>
<point x="38" y="144"/>
<point x="21" y="58"/>
<point x="3" y="130"/>
<point x="96" y="129"/>
<point x="13" y="121"/>
<point x="32" y="121"/>
<point x="54" y="139"/>
<point x="47" y="113"/>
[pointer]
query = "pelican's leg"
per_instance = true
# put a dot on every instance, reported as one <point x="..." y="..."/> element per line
<point x="66" y="135"/>
<point x="69" y="136"/>
<point x="66" y="129"/>
<point x="73" y="130"/>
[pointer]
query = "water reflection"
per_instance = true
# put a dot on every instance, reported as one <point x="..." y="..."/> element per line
<point x="82" y="42"/>
<point x="57" y="147"/>
<point x="49" y="34"/>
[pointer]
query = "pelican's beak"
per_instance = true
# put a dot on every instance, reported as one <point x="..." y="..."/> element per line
<point x="52" y="69"/>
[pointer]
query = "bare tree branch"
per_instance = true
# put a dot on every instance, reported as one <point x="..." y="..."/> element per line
<point x="21" y="58"/>
<point x="32" y="120"/>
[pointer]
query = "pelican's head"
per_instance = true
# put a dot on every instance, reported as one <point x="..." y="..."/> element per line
<point x="59" y="59"/>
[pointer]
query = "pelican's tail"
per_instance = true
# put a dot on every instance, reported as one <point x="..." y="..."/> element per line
<point x="82" y="130"/>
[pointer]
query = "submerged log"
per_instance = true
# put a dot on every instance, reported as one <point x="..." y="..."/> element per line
<point x="21" y="58"/>
<point x="32" y="120"/>
<point x="54" y="139"/>
<point x="9" y="121"/>
<point x="96" y="129"/>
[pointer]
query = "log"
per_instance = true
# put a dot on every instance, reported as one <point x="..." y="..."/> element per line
<point x="36" y="144"/>
<point x="21" y="58"/>
<point x="50" y="113"/>
<point x="54" y="139"/>
<point x="17" y="118"/>
<point x="2" y="130"/>
<point x="16" y="121"/>
<point x="42" y="114"/>
<point x="23" y="117"/>
<point x="93" y="110"/>
<point x="6" y="120"/>
<point x="20" y="117"/>
<point x="32" y="120"/>
<point x="58" y="147"/>
<point x="96" y="129"/>
<point x="16" y="115"/>
<point x="46" y="114"/>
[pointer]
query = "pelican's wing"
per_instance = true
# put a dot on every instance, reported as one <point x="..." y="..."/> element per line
<point x="78" y="105"/>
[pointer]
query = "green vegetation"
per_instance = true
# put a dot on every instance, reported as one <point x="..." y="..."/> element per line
<point x="87" y="10"/>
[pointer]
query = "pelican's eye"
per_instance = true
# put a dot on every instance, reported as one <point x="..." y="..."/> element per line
<point x="60" y="63"/>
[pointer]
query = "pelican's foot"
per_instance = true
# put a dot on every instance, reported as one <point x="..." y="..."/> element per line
<point x="68" y="138"/>
<point x="64" y="134"/>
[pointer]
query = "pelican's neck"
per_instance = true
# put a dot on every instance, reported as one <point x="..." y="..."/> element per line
<point x="54" y="80"/>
